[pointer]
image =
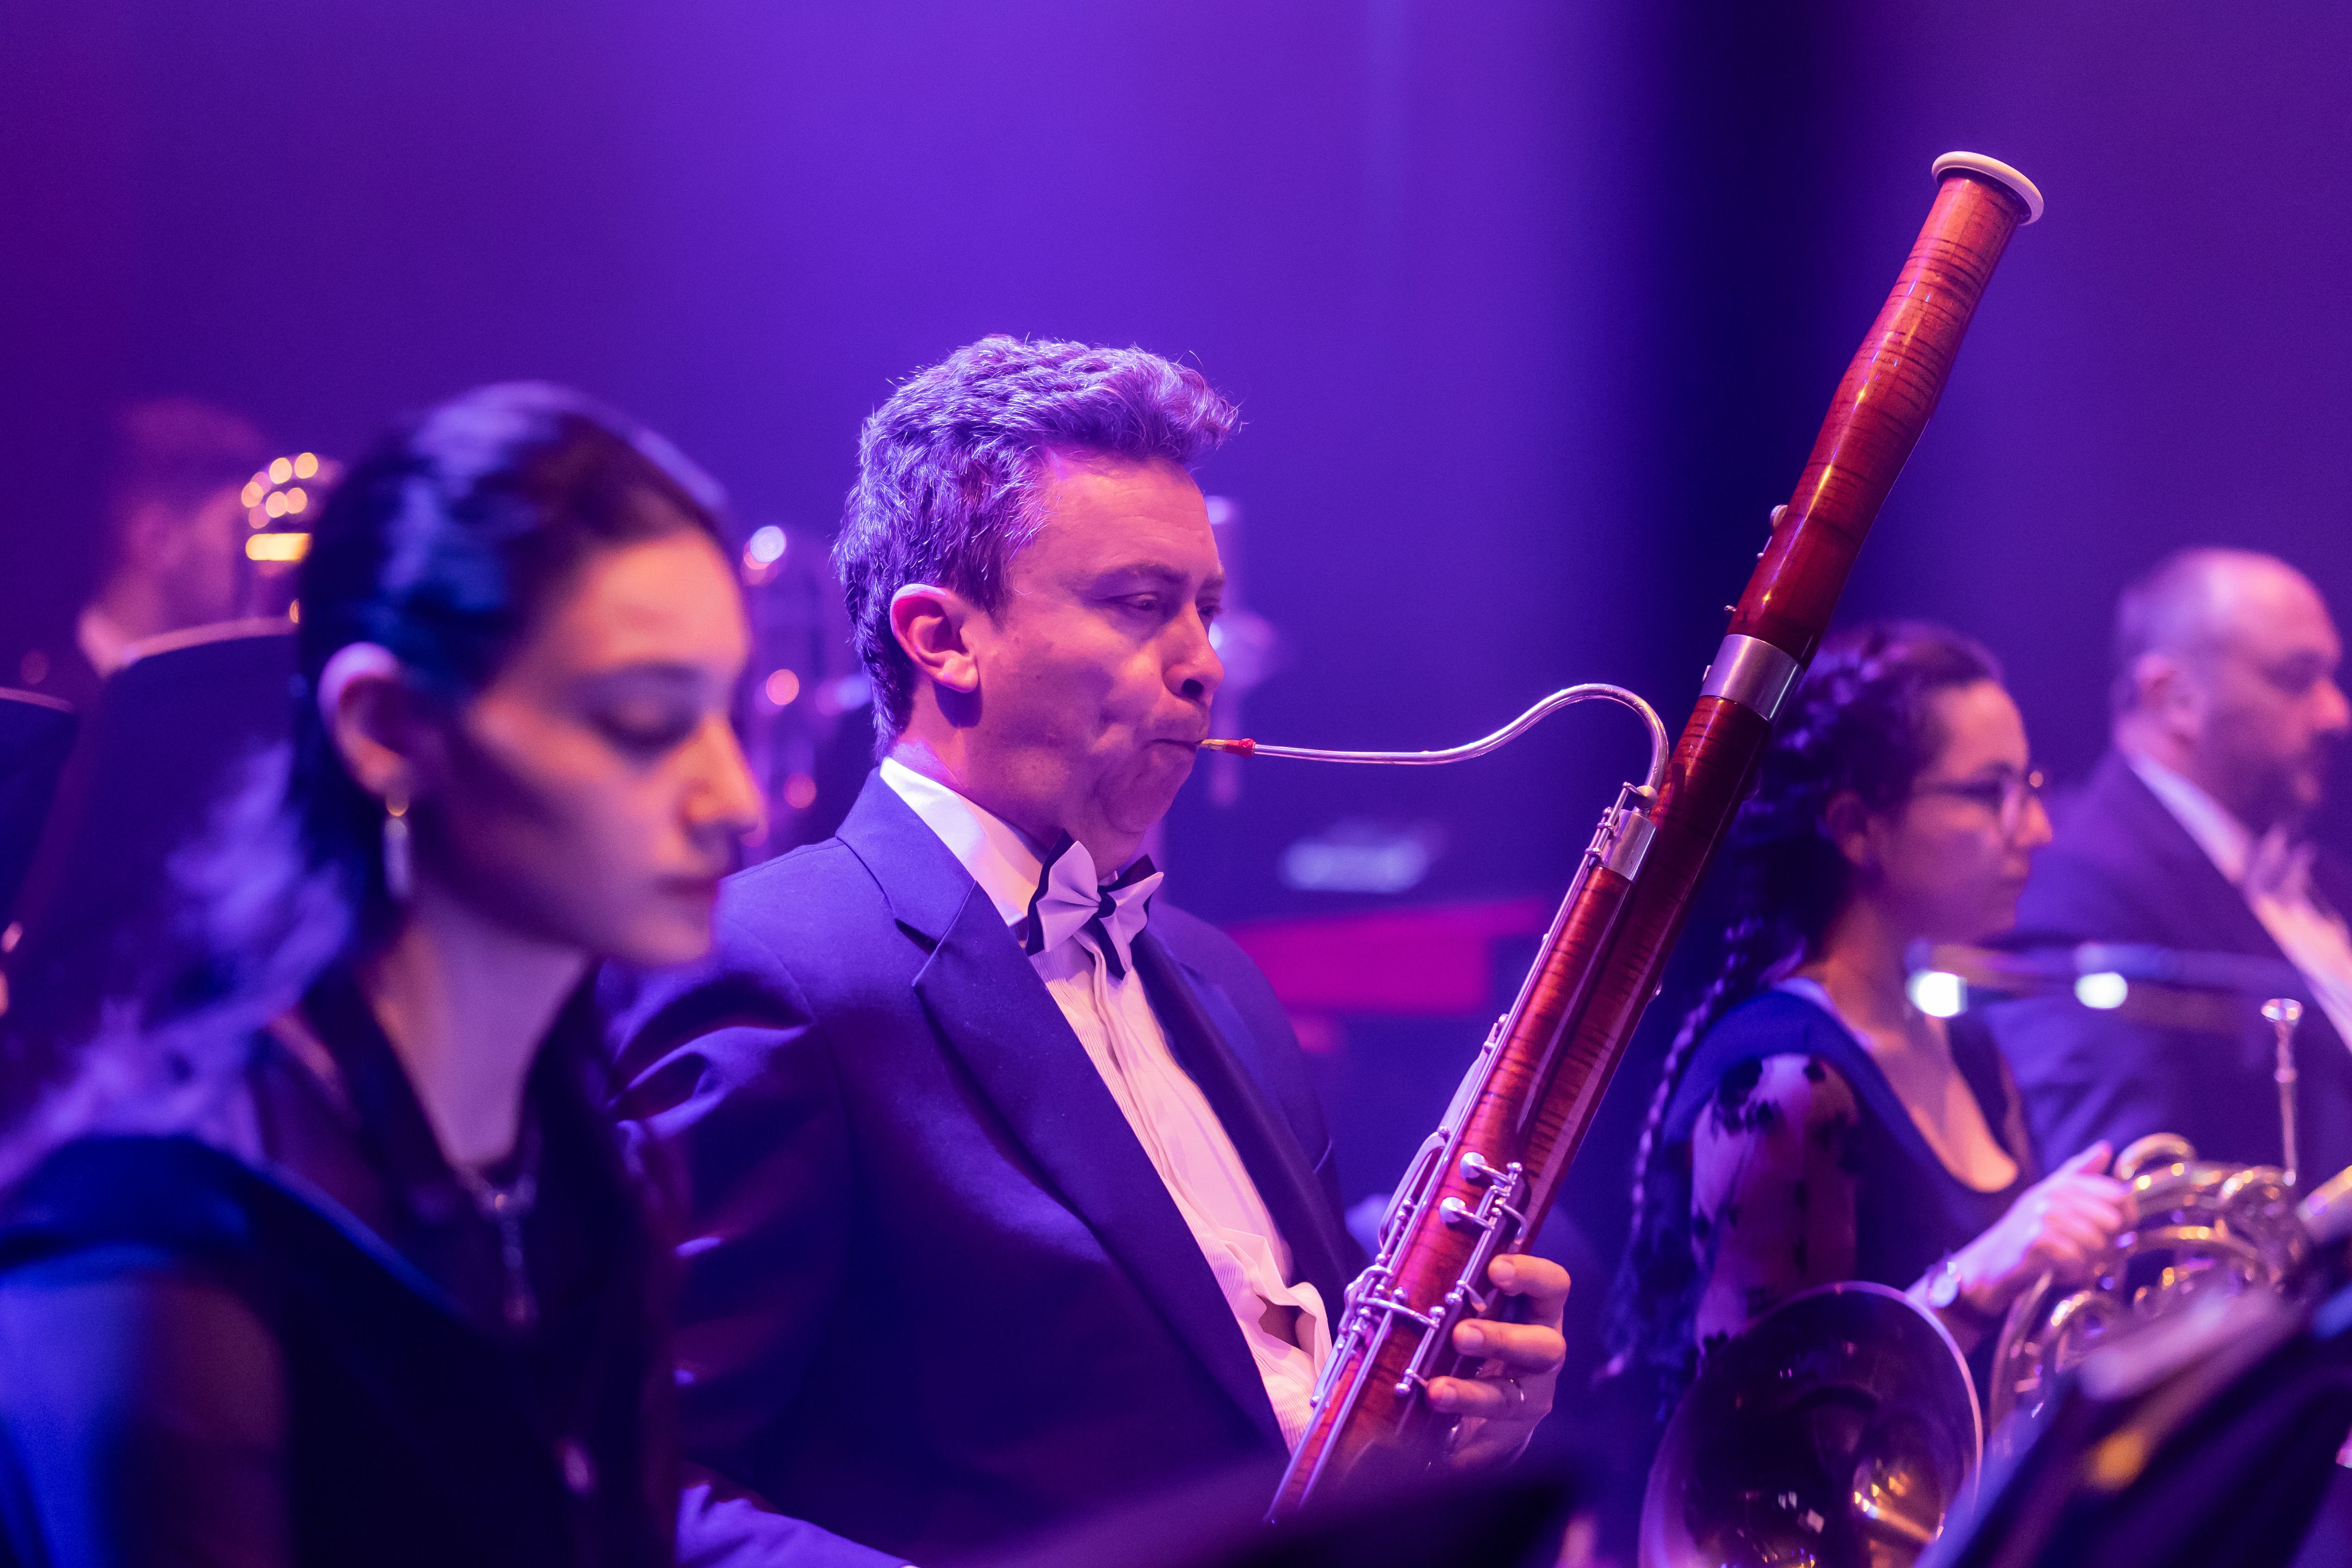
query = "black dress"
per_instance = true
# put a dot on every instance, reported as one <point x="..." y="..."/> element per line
<point x="1908" y="1211"/>
<point x="298" y="1340"/>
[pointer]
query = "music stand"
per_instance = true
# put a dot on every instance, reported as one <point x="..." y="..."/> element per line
<point x="2204" y="1442"/>
<point x="172" y="733"/>
<point x="36" y="734"/>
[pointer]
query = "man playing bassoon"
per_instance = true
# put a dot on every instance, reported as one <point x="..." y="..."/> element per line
<point x="1009" y="1193"/>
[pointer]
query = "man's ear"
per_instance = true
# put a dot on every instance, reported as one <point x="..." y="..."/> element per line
<point x="930" y="623"/>
<point x="2169" y="693"/>
<point x="1845" y="821"/>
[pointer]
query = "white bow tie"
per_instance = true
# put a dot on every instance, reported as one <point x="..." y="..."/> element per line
<point x="1069" y="900"/>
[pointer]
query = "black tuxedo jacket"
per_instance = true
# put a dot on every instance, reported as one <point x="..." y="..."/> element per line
<point x="2124" y="869"/>
<point x="936" y="1294"/>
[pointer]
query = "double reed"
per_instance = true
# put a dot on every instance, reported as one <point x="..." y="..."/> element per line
<point x="1487" y="1177"/>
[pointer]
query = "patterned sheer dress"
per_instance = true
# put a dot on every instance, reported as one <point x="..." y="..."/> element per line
<point x="1787" y="1161"/>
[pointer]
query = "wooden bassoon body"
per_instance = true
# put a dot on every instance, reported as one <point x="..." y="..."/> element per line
<point x="1485" y="1181"/>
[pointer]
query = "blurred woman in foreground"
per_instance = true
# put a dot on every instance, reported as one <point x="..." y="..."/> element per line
<point x="1811" y="1124"/>
<point x="371" y="1282"/>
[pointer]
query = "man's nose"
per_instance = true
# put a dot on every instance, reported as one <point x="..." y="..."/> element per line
<point x="1196" y="672"/>
<point x="2335" y="709"/>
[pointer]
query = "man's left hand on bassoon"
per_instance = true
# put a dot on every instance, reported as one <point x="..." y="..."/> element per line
<point x="1519" y="1366"/>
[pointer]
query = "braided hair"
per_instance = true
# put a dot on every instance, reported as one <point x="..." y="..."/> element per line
<point x="1861" y="721"/>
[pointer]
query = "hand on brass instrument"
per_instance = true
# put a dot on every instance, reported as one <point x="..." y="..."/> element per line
<point x="1512" y="1390"/>
<point x="2061" y="1226"/>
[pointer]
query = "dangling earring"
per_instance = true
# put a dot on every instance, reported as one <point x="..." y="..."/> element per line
<point x="396" y="843"/>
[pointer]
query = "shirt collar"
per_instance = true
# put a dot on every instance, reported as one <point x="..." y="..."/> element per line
<point x="2225" y="840"/>
<point x="998" y="858"/>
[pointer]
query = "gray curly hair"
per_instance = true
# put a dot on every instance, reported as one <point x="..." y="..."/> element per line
<point x="948" y="471"/>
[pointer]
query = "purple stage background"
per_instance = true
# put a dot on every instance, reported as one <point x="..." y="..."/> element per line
<point x="1532" y="307"/>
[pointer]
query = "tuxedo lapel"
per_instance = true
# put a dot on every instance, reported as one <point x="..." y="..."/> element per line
<point x="922" y="880"/>
<point x="991" y="1007"/>
<point x="994" y="1013"/>
<point x="1206" y="1046"/>
<point x="2220" y="915"/>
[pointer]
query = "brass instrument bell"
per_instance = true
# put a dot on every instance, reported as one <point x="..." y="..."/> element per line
<point x="1837" y="1430"/>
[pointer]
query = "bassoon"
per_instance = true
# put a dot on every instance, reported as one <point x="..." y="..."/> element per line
<point x="1484" y="1181"/>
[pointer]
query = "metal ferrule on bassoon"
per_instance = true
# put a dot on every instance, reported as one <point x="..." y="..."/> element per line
<point x="1753" y="673"/>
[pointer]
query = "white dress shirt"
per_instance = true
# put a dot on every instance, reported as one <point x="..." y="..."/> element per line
<point x="2274" y="875"/>
<point x="1286" y="1325"/>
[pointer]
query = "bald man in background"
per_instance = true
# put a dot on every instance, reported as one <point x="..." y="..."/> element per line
<point x="2193" y="834"/>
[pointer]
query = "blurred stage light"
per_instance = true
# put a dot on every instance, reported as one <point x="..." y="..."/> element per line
<point x="276" y="546"/>
<point x="1358" y="856"/>
<point x="852" y="691"/>
<point x="1939" y="995"/>
<point x="766" y="547"/>
<point x="800" y="792"/>
<point x="782" y="686"/>
<point x="2105" y="990"/>
<point x="271" y="493"/>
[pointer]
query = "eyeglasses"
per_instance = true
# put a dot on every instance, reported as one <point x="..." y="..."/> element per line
<point x="2004" y="797"/>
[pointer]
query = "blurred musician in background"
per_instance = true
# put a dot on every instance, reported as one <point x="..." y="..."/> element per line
<point x="2193" y="833"/>
<point x="171" y="543"/>
<point x="1811" y="1124"/>
<point x="1011" y="1194"/>
<point x="349" y="1265"/>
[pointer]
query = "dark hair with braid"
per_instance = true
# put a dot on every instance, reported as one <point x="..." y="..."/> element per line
<point x="1861" y="723"/>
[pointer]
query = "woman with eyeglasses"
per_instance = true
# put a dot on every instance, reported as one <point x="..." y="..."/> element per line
<point x="1811" y="1124"/>
<point x="348" y="1265"/>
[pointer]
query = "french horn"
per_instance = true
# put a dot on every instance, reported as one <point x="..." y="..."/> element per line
<point x="2204" y="1229"/>
<point x="1840" y="1429"/>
